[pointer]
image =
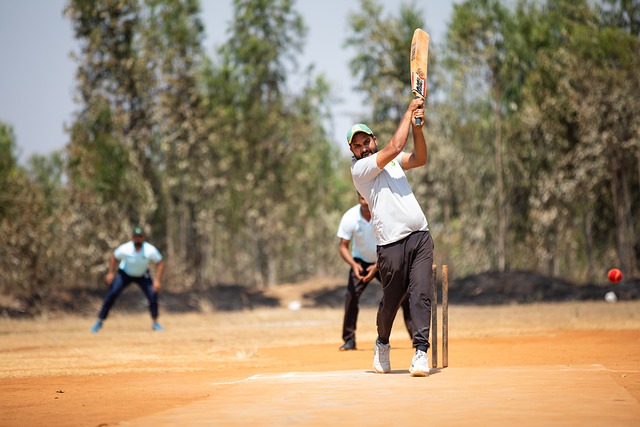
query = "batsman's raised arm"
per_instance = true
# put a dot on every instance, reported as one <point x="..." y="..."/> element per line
<point x="399" y="138"/>
<point x="419" y="155"/>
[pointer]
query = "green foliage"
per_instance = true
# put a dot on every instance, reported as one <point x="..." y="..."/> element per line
<point x="381" y="65"/>
<point x="26" y="224"/>
<point x="277" y="159"/>
<point x="8" y="164"/>
<point x="622" y="14"/>
<point x="561" y="79"/>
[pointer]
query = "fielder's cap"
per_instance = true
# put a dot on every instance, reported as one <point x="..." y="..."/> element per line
<point x="138" y="231"/>
<point x="357" y="128"/>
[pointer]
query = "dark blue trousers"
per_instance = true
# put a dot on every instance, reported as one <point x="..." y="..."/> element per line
<point x="120" y="282"/>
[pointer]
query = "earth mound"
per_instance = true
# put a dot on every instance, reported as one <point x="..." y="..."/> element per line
<point x="489" y="288"/>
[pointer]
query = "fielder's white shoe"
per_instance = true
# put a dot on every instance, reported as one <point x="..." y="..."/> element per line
<point x="419" y="364"/>
<point x="381" y="363"/>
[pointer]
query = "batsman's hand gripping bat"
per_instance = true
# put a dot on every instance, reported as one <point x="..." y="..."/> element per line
<point x="419" y="60"/>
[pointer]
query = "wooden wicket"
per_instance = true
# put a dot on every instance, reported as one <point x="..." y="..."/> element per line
<point x="444" y="287"/>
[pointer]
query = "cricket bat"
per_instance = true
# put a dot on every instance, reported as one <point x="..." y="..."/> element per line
<point x="419" y="60"/>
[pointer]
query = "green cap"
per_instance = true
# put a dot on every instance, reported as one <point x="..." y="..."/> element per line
<point x="357" y="128"/>
<point x="138" y="231"/>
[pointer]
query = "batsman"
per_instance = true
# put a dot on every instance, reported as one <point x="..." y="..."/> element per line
<point x="403" y="242"/>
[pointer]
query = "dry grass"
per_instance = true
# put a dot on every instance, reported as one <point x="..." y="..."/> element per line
<point x="470" y="321"/>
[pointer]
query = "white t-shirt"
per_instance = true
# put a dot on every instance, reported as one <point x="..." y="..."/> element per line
<point x="395" y="210"/>
<point x="359" y="231"/>
<point x="135" y="263"/>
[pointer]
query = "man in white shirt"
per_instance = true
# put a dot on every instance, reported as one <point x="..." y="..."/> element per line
<point x="404" y="244"/>
<point x="356" y="230"/>
<point x="133" y="259"/>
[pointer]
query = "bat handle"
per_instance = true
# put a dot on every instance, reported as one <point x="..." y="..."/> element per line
<point x="418" y="120"/>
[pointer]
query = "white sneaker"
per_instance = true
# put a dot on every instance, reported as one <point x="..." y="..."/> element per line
<point x="381" y="363"/>
<point x="419" y="364"/>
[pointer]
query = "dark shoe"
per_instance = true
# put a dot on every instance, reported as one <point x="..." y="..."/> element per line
<point x="348" y="345"/>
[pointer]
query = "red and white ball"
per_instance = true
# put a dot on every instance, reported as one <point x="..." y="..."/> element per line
<point x="614" y="275"/>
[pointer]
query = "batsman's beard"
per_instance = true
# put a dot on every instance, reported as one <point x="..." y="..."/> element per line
<point x="367" y="153"/>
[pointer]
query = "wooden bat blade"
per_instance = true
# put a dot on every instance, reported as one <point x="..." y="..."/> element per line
<point x="419" y="61"/>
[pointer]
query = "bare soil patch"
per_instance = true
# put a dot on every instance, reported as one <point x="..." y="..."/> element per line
<point x="53" y="368"/>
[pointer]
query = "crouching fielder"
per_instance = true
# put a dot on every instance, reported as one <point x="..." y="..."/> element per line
<point x="133" y="259"/>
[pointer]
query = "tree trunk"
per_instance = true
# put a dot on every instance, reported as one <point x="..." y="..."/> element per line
<point x="502" y="220"/>
<point x="170" y="224"/>
<point x="588" y="239"/>
<point x="625" y="235"/>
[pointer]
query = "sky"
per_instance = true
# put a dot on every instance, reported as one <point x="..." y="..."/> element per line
<point x="37" y="74"/>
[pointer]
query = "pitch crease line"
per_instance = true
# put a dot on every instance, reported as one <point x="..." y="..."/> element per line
<point x="287" y="376"/>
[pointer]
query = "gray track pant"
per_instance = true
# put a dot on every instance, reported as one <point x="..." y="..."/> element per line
<point x="405" y="266"/>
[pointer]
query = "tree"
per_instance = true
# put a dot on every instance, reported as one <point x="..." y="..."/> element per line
<point x="381" y="65"/>
<point x="276" y="156"/>
<point x="607" y="115"/>
<point x="575" y="118"/>
<point x="478" y="35"/>
<point x="25" y="226"/>
<point x="172" y="40"/>
<point x="621" y="14"/>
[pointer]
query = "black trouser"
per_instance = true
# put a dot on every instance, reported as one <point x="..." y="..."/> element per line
<point x="405" y="268"/>
<point x="355" y="288"/>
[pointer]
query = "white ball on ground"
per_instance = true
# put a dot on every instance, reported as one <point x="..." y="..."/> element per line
<point x="610" y="297"/>
<point x="294" y="305"/>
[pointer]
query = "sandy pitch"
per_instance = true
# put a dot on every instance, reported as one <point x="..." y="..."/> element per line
<point x="546" y="364"/>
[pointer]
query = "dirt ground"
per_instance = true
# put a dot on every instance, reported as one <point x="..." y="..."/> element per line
<point x="53" y="371"/>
